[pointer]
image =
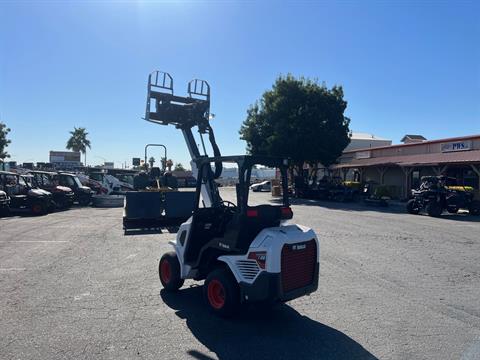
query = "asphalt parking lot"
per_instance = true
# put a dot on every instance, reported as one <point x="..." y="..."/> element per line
<point x="392" y="286"/>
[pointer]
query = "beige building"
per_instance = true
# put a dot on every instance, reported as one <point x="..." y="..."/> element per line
<point x="359" y="140"/>
<point x="400" y="167"/>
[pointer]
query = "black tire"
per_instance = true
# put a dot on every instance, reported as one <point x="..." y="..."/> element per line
<point x="51" y="206"/>
<point x="434" y="209"/>
<point x="169" y="272"/>
<point x="84" y="201"/>
<point x="452" y="210"/>
<point x="221" y="293"/>
<point x="356" y="197"/>
<point x="4" y="211"/>
<point x="474" y="208"/>
<point x="412" y="207"/>
<point x="38" y="208"/>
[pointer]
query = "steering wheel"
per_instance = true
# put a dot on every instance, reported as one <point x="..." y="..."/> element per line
<point x="229" y="204"/>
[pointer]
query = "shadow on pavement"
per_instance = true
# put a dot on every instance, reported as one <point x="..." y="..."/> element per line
<point x="281" y="333"/>
<point x="396" y="208"/>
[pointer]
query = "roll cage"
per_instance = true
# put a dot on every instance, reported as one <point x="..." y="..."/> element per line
<point x="225" y="227"/>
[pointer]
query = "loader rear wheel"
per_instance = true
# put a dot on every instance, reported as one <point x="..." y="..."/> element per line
<point x="169" y="272"/>
<point x="221" y="293"/>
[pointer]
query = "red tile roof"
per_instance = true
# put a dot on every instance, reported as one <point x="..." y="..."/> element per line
<point x="472" y="156"/>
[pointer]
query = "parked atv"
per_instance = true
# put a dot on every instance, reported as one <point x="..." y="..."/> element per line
<point x="434" y="198"/>
<point x="23" y="196"/>
<point x="82" y="194"/>
<point x="371" y="195"/>
<point x="327" y="188"/>
<point x="4" y="203"/>
<point x="62" y="196"/>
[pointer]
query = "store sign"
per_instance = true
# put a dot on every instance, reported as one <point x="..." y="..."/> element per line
<point x="363" y="154"/>
<point x="457" y="146"/>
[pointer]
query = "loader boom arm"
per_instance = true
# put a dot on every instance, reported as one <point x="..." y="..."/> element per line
<point x="185" y="113"/>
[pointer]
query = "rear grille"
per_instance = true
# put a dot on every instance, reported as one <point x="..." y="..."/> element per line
<point x="248" y="268"/>
<point x="298" y="265"/>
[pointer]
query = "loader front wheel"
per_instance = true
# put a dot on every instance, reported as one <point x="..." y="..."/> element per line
<point x="169" y="272"/>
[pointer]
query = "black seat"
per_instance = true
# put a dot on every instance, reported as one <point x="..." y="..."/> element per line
<point x="207" y="224"/>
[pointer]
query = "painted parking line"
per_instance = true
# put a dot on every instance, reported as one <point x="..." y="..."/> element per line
<point x="34" y="241"/>
<point x="12" y="269"/>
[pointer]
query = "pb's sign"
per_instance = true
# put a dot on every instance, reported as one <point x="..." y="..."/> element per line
<point x="457" y="146"/>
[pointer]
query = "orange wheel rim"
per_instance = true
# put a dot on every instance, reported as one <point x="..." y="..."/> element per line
<point x="216" y="294"/>
<point x="165" y="271"/>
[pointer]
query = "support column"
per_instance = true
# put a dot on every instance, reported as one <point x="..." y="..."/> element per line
<point x="407" y="172"/>
<point x="345" y="172"/>
<point x="361" y="172"/>
<point x="382" y="170"/>
<point x="476" y="169"/>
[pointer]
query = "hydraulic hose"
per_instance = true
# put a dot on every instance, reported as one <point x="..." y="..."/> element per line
<point x="216" y="152"/>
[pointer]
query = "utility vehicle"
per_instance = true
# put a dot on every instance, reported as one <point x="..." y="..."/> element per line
<point x="245" y="253"/>
<point x="263" y="186"/>
<point x="371" y="195"/>
<point x="4" y="202"/>
<point x="24" y="196"/>
<point x="62" y="195"/>
<point x="326" y="188"/>
<point x="434" y="197"/>
<point x="82" y="194"/>
<point x="109" y="184"/>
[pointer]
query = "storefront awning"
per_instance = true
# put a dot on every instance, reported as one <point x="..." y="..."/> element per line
<point x="460" y="157"/>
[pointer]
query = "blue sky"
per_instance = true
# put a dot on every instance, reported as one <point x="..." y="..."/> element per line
<point x="406" y="67"/>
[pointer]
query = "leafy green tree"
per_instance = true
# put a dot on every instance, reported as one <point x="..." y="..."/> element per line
<point x="78" y="141"/>
<point x="4" y="130"/>
<point x="300" y="119"/>
<point x="179" y="167"/>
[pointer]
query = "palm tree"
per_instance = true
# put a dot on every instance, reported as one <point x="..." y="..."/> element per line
<point x="78" y="141"/>
<point x="151" y="161"/>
